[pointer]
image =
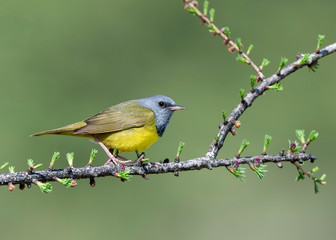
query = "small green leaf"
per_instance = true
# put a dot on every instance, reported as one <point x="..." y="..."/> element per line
<point x="242" y="93"/>
<point x="115" y="151"/>
<point x="260" y="170"/>
<point x="212" y="14"/>
<point x="243" y="146"/>
<point x="313" y="135"/>
<point x="145" y="160"/>
<point x="305" y="58"/>
<point x="30" y="163"/>
<point x="320" y="40"/>
<point x="316" y="189"/>
<point x="4" y="165"/>
<point x="283" y="63"/>
<point x="264" y="63"/>
<point x="224" y="115"/>
<point x="11" y="169"/>
<point x="205" y="7"/>
<point x="249" y="49"/>
<point x="70" y="158"/>
<point x="300" y="134"/>
<point x="315" y="169"/>
<point x="192" y="10"/>
<point x="124" y="175"/>
<point x="240" y="58"/>
<point x="44" y="187"/>
<point x="227" y="31"/>
<point x="211" y="28"/>
<point x="93" y="155"/>
<point x="267" y="142"/>
<point x="38" y="165"/>
<point x="239" y="173"/>
<point x="66" y="181"/>
<point x="180" y="148"/>
<point x="54" y="158"/>
<point x="253" y="81"/>
<point x="239" y="44"/>
<point x="217" y="138"/>
<point x="323" y="176"/>
<point x="300" y="177"/>
<point x="276" y="87"/>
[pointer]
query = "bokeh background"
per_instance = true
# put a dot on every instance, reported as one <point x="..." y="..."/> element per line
<point x="63" y="61"/>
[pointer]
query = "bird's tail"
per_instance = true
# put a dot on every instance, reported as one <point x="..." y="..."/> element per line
<point x="66" y="130"/>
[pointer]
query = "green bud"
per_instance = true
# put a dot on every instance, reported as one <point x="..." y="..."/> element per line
<point x="239" y="44"/>
<point x="264" y="63"/>
<point x="30" y="163"/>
<point x="4" y="165"/>
<point x="276" y="87"/>
<point x="305" y="58"/>
<point x="267" y="142"/>
<point x="38" y="165"/>
<point x="115" y="151"/>
<point x="124" y="175"/>
<point x="253" y="80"/>
<point x="313" y="135"/>
<point x="11" y="169"/>
<point x="191" y="10"/>
<point x="283" y="63"/>
<point x="300" y="134"/>
<point x="70" y="158"/>
<point x="212" y="14"/>
<point x="205" y="7"/>
<point x="224" y="115"/>
<point x="243" y="146"/>
<point x="44" y="187"/>
<point x="54" y="158"/>
<point x="320" y="40"/>
<point x="227" y="31"/>
<point x="249" y="49"/>
<point x="240" y="58"/>
<point x="242" y="93"/>
<point x="93" y="155"/>
<point x="66" y="181"/>
<point x="179" y="150"/>
<point x="315" y="169"/>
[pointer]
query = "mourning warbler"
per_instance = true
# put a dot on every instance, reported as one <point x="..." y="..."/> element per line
<point x="129" y="126"/>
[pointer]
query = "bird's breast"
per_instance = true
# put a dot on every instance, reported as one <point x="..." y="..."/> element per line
<point x="132" y="139"/>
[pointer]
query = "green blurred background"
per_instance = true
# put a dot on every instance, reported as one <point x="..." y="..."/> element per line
<point x="62" y="61"/>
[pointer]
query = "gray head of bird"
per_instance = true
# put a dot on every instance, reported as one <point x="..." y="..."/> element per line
<point x="163" y="108"/>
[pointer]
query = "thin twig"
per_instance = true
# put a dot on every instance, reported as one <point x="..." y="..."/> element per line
<point x="206" y="20"/>
<point x="305" y="173"/>
<point x="258" y="91"/>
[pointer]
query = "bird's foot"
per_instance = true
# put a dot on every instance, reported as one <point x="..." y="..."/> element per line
<point x="139" y="161"/>
<point x="117" y="161"/>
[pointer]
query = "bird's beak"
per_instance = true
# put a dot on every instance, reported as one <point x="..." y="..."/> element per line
<point x="176" y="107"/>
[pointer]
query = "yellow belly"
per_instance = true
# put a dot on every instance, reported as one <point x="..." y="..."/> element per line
<point x="130" y="140"/>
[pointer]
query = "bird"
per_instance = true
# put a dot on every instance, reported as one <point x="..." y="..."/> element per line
<point x="130" y="126"/>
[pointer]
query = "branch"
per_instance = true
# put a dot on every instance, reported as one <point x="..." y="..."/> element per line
<point x="258" y="91"/>
<point x="150" y="168"/>
<point x="227" y="41"/>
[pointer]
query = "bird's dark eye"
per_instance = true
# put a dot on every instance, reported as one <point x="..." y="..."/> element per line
<point x="161" y="104"/>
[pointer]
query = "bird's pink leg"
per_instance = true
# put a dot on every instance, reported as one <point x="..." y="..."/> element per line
<point x="111" y="157"/>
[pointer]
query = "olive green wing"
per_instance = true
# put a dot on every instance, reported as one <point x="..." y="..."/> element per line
<point x="119" y="117"/>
